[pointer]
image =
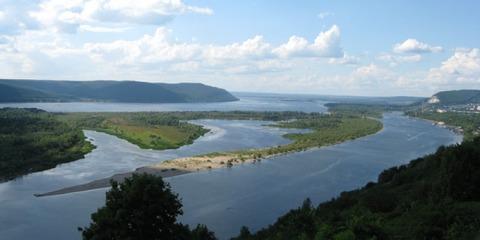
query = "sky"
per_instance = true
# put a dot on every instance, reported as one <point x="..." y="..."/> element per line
<point x="350" y="47"/>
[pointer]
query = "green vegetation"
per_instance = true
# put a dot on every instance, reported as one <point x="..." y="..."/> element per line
<point x="165" y="130"/>
<point x="327" y="129"/>
<point x="16" y="94"/>
<point x="433" y="197"/>
<point x="145" y="129"/>
<point x="32" y="140"/>
<point x="458" y="97"/>
<point x="369" y="110"/>
<point x="142" y="207"/>
<point x="243" y="115"/>
<point x="468" y="122"/>
<point x="109" y="91"/>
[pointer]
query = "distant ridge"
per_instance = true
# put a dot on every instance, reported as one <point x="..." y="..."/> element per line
<point x="12" y="90"/>
<point x="455" y="97"/>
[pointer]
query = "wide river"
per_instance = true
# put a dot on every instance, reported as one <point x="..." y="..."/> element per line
<point x="224" y="199"/>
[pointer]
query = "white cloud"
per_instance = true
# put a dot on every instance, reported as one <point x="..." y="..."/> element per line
<point x="345" y="60"/>
<point x="414" y="46"/>
<point x="461" y="68"/>
<point x="252" y="48"/>
<point x="68" y="15"/>
<point x="296" y="46"/>
<point x="324" y="15"/>
<point x="89" y="28"/>
<point x="394" y="60"/>
<point x="371" y="75"/>
<point x="326" y="44"/>
<point x="159" y="48"/>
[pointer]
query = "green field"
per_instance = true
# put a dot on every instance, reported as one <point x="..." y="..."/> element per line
<point x="147" y="130"/>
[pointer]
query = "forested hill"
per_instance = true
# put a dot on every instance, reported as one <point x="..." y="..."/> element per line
<point x="109" y="91"/>
<point x="456" y="97"/>
<point x="434" y="197"/>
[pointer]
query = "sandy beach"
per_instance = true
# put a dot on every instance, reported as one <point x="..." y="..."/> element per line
<point x="168" y="168"/>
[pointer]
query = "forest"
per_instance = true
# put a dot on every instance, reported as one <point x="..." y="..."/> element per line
<point x="33" y="140"/>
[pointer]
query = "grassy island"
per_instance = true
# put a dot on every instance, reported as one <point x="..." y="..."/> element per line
<point x="145" y="129"/>
<point x="327" y="129"/>
<point x="34" y="140"/>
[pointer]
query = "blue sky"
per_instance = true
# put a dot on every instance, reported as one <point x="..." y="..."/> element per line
<point x="380" y="48"/>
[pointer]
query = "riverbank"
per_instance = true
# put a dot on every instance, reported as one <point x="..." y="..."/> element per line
<point x="326" y="130"/>
<point x="324" y="133"/>
<point x="466" y="124"/>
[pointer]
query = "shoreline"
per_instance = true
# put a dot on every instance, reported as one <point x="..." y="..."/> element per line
<point x="186" y="165"/>
<point x="458" y="130"/>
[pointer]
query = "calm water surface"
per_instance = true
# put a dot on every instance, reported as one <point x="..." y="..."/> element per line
<point x="248" y="102"/>
<point x="225" y="199"/>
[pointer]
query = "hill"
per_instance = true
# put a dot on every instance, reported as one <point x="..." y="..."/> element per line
<point x="17" y="94"/>
<point x="109" y="91"/>
<point x="433" y="197"/>
<point x="456" y="97"/>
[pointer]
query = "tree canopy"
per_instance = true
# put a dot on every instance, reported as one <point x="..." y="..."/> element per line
<point x="142" y="207"/>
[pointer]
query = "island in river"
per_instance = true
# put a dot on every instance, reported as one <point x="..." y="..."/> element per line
<point x="326" y="129"/>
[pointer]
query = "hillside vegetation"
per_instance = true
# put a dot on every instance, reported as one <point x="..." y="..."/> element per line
<point x="110" y="91"/>
<point x="468" y="122"/>
<point x="433" y="197"/>
<point x="33" y="140"/>
<point x="458" y="97"/>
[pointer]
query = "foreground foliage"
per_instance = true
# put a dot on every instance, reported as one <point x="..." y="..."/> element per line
<point x="433" y="197"/>
<point x="33" y="140"/>
<point x="142" y="207"/>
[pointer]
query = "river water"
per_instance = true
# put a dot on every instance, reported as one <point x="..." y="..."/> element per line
<point x="224" y="199"/>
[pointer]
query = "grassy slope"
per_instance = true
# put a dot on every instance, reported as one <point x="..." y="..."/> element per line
<point x="433" y="197"/>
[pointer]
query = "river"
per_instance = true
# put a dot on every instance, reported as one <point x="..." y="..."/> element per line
<point x="224" y="199"/>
